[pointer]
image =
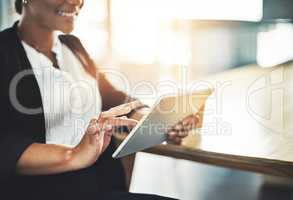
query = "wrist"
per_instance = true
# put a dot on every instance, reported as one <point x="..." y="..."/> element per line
<point x="81" y="158"/>
<point x="72" y="159"/>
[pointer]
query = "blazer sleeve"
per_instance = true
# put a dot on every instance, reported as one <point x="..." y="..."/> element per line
<point x="12" y="146"/>
<point x="17" y="130"/>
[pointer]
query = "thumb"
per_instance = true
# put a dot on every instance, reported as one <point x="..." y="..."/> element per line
<point x="107" y="136"/>
<point x="107" y="140"/>
<point x="100" y="136"/>
<point x="90" y="135"/>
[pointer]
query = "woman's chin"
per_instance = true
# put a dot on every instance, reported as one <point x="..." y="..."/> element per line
<point x="67" y="30"/>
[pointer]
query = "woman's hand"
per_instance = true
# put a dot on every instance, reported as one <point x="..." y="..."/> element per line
<point x="45" y="159"/>
<point x="181" y="129"/>
<point x="178" y="132"/>
<point x="99" y="132"/>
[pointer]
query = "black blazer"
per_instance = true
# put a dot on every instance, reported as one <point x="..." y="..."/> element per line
<point x="18" y="130"/>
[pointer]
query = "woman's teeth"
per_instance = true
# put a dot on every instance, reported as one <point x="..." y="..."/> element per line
<point x="66" y="14"/>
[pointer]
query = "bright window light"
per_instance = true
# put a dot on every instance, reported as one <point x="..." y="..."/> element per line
<point x="135" y="30"/>
<point x="91" y="28"/>
<point x="275" y="45"/>
<point x="149" y="31"/>
<point x="243" y="10"/>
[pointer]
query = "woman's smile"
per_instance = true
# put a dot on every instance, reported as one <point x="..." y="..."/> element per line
<point x="53" y="14"/>
<point x="68" y="14"/>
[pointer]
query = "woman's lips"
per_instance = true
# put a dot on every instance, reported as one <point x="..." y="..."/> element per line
<point x="67" y="14"/>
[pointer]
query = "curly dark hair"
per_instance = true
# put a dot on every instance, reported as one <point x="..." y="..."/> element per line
<point x="18" y="6"/>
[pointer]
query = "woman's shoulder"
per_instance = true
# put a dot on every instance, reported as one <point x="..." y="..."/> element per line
<point x="6" y="33"/>
<point x="71" y="36"/>
<point x="71" y="41"/>
<point x="74" y="44"/>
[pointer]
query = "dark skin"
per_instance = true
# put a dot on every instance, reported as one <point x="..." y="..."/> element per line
<point x="39" y="21"/>
<point x="41" y="18"/>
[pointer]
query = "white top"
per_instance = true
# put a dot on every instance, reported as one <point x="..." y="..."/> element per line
<point x="70" y="96"/>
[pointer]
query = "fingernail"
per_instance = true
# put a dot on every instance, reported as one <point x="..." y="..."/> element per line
<point x="171" y="134"/>
<point x="92" y="129"/>
<point x="180" y="134"/>
<point x="185" y="123"/>
<point x="93" y="121"/>
<point x="127" y="108"/>
<point x="109" y="127"/>
<point x="178" y="127"/>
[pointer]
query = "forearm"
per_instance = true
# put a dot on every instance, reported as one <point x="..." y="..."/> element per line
<point x="44" y="159"/>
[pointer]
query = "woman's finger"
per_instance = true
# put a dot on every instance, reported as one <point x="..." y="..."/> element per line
<point x="189" y="127"/>
<point x="119" y="121"/>
<point x="105" y="134"/>
<point x="189" y="120"/>
<point x="182" y="134"/>
<point x="121" y="109"/>
<point x="176" y="140"/>
<point x="107" y="140"/>
<point x="179" y="127"/>
<point x="92" y="128"/>
<point x="171" y="135"/>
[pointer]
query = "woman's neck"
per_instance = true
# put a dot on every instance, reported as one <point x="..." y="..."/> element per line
<point x="35" y="35"/>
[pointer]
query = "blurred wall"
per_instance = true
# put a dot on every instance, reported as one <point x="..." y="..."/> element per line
<point x="219" y="46"/>
<point x="7" y="13"/>
<point x="274" y="9"/>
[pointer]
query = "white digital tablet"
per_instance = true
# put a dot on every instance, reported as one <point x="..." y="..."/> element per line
<point x="166" y="112"/>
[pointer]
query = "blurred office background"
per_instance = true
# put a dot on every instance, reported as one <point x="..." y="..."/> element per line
<point x="154" y="40"/>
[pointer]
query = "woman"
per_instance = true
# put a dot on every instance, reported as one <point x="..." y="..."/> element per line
<point x="54" y="144"/>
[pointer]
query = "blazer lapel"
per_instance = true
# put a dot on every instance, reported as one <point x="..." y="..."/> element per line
<point x="27" y="90"/>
